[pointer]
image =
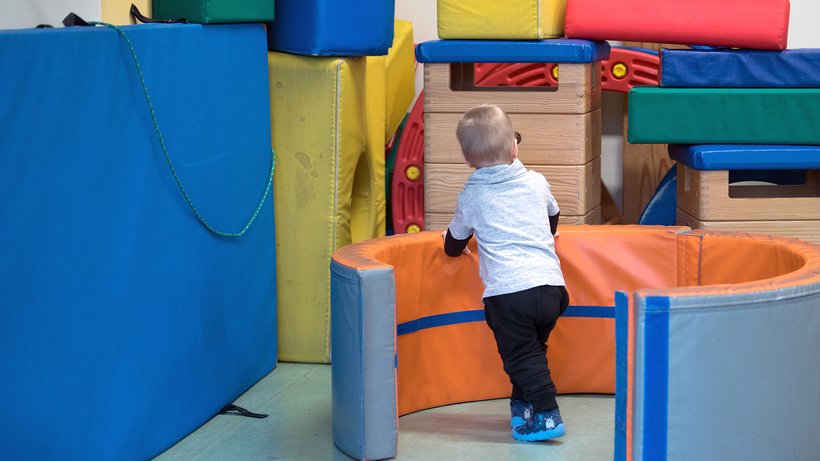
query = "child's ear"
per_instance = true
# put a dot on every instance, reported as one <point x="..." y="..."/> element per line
<point x="515" y="151"/>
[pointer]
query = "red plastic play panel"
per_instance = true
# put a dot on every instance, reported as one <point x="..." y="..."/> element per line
<point x="408" y="176"/>
<point x="625" y="68"/>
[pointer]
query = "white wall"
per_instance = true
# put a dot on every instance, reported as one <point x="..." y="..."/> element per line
<point x="21" y="14"/>
<point x="803" y="30"/>
<point x="803" y="33"/>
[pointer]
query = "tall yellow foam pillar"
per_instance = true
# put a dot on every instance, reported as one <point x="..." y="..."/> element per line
<point x="330" y="120"/>
<point x="390" y="88"/>
<point x="318" y="132"/>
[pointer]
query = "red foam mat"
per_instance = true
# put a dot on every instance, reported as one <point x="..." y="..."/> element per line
<point x="758" y="24"/>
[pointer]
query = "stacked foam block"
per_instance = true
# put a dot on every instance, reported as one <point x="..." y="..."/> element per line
<point x="751" y="104"/>
<point x="338" y="92"/>
<point x="560" y="127"/>
<point x="125" y="320"/>
<point x="341" y="79"/>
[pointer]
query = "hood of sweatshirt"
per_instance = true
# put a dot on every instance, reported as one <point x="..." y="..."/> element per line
<point x="497" y="173"/>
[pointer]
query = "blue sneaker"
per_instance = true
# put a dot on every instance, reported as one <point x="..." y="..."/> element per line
<point x="544" y="425"/>
<point x="521" y="411"/>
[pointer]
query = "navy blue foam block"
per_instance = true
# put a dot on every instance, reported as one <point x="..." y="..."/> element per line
<point x="556" y="50"/>
<point x="125" y="323"/>
<point x="745" y="157"/>
<point x="332" y="27"/>
<point x="798" y="68"/>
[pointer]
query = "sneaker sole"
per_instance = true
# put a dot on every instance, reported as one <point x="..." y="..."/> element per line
<point x="517" y="421"/>
<point x="553" y="433"/>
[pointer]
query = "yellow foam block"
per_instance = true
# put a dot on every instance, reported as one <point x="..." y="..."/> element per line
<point x="400" y="76"/>
<point x="326" y="189"/>
<point x="117" y="12"/>
<point x="501" y="19"/>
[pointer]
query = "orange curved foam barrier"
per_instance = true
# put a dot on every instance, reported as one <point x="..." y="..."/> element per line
<point x="408" y="330"/>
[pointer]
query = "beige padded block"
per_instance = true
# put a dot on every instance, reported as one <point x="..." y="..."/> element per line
<point x="708" y="196"/>
<point x="546" y="139"/>
<point x="577" y="188"/>
<point x="450" y="88"/>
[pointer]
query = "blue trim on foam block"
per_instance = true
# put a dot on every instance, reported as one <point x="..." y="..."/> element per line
<point x="477" y="315"/>
<point x="656" y="377"/>
<point x="621" y="351"/>
<point x="745" y="157"/>
<point x="556" y="50"/>
<point x="797" y="68"/>
<point x="602" y="312"/>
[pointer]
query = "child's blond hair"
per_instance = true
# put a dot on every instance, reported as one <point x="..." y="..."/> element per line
<point x="486" y="136"/>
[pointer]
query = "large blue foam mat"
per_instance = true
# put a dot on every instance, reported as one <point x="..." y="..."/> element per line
<point x="126" y="324"/>
<point x="794" y="68"/>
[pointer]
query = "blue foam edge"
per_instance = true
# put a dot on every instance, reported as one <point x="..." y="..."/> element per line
<point x="557" y="50"/>
<point x="745" y="156"/>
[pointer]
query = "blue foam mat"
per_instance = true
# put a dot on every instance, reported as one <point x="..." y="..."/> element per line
<point x="332" y="27"/>
<point x="126" y="324"/>
<point x="796" y="68"/>
<point x="558" y="50"/>
<point x="746" y="157"/>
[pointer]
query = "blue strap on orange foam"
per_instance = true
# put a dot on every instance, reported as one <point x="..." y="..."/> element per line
<point x="477" y="315"/>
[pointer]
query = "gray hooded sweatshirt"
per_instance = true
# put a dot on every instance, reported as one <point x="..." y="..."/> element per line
<point x="507" y="208"/>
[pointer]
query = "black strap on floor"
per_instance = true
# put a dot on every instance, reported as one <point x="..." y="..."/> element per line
<point x="139" y="17"/>
<point x="74" y="20"/>
<point x="241" y="411"/>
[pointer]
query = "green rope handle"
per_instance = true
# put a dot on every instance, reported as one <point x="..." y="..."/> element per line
<point x="168" y="157"/>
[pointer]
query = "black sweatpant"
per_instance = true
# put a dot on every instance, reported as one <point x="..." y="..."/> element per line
<point x="521" y="323"/>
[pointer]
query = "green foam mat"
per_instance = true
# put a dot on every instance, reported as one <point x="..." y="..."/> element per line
<point x="210" y="12"/>
<point x="724" y="116"/>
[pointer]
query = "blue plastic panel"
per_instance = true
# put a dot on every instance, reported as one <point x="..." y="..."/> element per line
<point x="332" y="27"/>
<point x="125" y="323"/>
<point x="746" y="157"/>
<point x="798" y="68"/>
<point x="557" y="50"/>
<point x="662" y="207"/>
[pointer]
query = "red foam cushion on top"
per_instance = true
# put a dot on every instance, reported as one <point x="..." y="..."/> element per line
<point x="754" y="24"/>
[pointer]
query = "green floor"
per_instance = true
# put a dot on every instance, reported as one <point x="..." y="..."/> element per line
<point x="297" y="397"/>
